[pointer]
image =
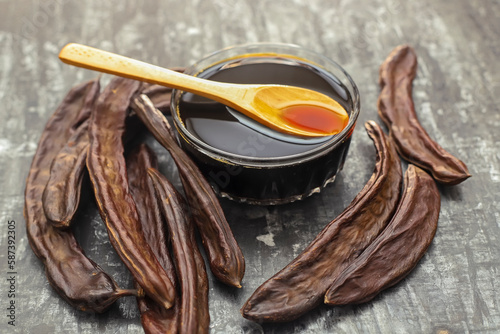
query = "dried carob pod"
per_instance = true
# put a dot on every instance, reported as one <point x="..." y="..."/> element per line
<point x="194" y="315"/>
<point x="78" y="279"/>
<point x="155" y="318"/>
<point x="302" y="284"/>
<point x="397" y="250"/>
<point x="396" y="109"/>
<point x="107" y="170"/>
<point x="61" y="196"/>
<point x="225" y="257"/>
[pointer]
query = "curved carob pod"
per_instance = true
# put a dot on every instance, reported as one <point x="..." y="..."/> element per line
<point x="61" y="196"/>
<point x="301" y="285"/>
<point x="194" y="315"/>
<point x="107" y="170"/>
<point x="225" y="257"/>
<point x="79" y="280"/>
<point x="154" y="318"/>
<point x="397" y="250"/>
<point x="396" y="109"/>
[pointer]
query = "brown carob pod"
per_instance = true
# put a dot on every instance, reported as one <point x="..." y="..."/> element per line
<point x="107" y="170"/>
<point x="302" y="284"/>
<point x="79" y="280"/>
<point x="154" y="318"/>
<point x="194" y="316"/>
<point x="396" y="109"/>
<point x="61" y="196"/>
<point x="397" y="250"/>
<point x="225" y="257"/>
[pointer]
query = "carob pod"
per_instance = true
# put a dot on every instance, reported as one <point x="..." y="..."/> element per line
<point x="61" y="196"/>
<point x="107" y="170"/>
<point x="301" y="285"/>
<point x="78" y="279"/>
<point x="397" y="250"/>
<point x="194" y="315"/>
<point x="225" y="257"/>
<point x="396" y="109"/>
<point x="154" y="318"/>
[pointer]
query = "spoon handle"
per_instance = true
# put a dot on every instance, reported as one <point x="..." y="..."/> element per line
<point x="111" y="63"/>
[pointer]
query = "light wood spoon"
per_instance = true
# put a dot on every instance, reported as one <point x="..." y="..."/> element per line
<point x="288" y="109"/>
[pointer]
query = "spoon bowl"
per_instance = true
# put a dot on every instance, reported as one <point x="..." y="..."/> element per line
<point x="287" y="109"/>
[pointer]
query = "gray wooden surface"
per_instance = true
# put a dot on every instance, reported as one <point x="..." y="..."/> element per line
<point x="454" y="289"/>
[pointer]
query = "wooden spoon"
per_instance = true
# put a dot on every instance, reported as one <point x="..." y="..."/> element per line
<point x="287" y="109"/>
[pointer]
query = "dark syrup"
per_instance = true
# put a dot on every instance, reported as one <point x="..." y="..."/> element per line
<point x="233" y="134"/>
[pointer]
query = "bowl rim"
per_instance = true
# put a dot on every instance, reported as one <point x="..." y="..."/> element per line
<point x="272" y="48"/>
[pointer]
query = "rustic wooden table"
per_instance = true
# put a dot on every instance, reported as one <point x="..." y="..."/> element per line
<point x="454" y="288"/>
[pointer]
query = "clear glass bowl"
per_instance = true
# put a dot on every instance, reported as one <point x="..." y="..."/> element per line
<point x="267" y="179"/>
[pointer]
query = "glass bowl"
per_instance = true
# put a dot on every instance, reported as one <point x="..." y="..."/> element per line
<point x="245" y="161"/>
